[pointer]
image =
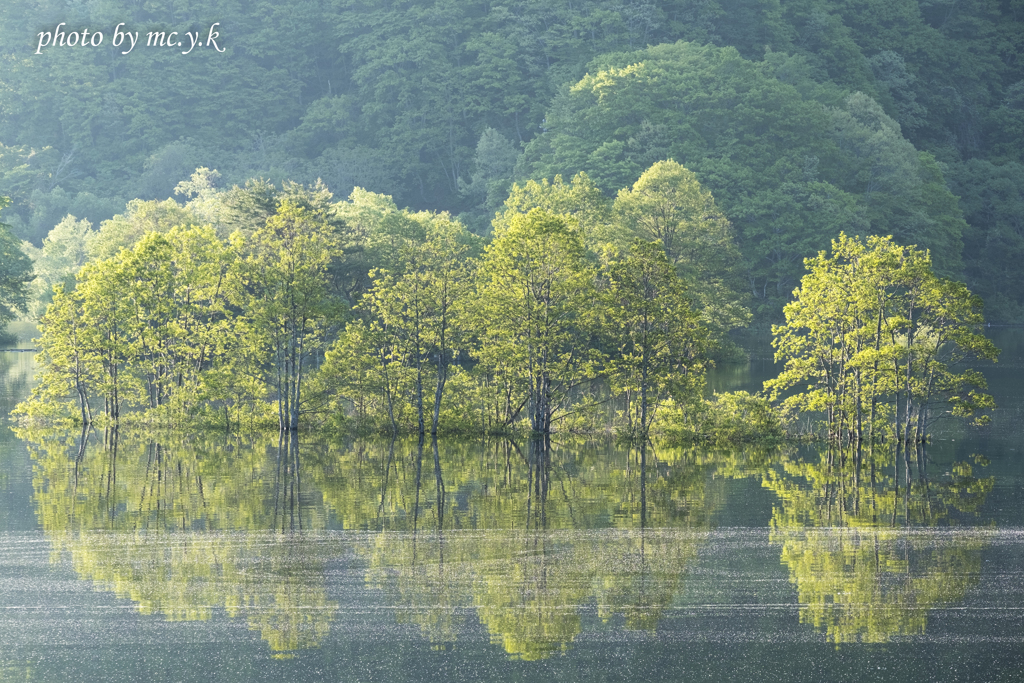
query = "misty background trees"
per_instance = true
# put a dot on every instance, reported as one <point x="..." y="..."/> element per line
<point x="801" y="118"/>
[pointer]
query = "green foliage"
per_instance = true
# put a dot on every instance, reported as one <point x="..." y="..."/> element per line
<point x="289" y="310"/>
<point x="419" y="317"/>
<point x="177" y="325"/>
<point x="124" y="230"/>
<point x="739" y="417"/>
<point x="430" y="101"/>
<point x="580" y="198"/>
<point x="139" y="329"/>
<point x="15" y="274"/>
<point x="537" y="297"/>
<point x="992" y="197"/>
<point x="661" y="346"/>
<point x="181" y="325"/>
<point x="730" y="418"/>
<point x="65" y="250"/>
<point x="790" y="164"/>
<point x="668" y="205"/>
<point x="494" y="162"/>
<point x="873" y="341"/>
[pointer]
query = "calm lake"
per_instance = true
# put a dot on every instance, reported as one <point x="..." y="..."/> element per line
<point x="196" y="556"/>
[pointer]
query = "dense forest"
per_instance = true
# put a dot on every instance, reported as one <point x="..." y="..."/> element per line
<point x="741" y="136"/>
<point x="803" y="118"/>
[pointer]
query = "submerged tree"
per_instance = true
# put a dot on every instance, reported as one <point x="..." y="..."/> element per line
<point x="537" y="296"/>
<point x="660" y="345"/>
<point x="139" y="329"/>
<point x="425" y="308"/>
<point x="873" y="341"/>
<point x="289" y="305"/>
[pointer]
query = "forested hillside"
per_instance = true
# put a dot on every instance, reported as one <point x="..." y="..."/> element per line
<point x="803" y="118"/>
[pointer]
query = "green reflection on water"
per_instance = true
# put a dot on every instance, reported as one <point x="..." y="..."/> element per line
<point x="866" y="555"/>
<point x="527" y="536"/>
<point x="126" y="508"/>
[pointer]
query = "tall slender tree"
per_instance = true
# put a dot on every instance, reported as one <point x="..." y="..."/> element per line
<point x="289" y="304"/>
<point x="537" y="299"/>
<point x="661" y="347"/>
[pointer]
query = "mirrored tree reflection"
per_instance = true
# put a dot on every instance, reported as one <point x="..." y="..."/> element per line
<point x="525" y="536"/>
<point x="515" y="538"/>
<point x="155" y="522"/>
<point x="15" y="372"/>
<point x="870" y="555"/>
<point x="14" y="670"/>
<point x="524" y="539"/>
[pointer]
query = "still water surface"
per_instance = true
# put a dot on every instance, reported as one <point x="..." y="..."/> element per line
<point x="187" y="557"/>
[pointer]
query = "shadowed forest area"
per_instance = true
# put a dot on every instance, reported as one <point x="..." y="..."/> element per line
<point x="802" y="118"/>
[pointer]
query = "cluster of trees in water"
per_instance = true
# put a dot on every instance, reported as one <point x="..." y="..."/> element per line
<point x="579" y="314"/>
<point x="803" y="118"/>
<point x="876" y="341"/>
<point x="358" y="311"/>
<point x="440" y="525"/>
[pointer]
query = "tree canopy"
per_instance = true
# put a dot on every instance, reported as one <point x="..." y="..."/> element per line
<point x="790" y="162"/>
<point x="15" y="274"/>
<point x="432" y="101"/>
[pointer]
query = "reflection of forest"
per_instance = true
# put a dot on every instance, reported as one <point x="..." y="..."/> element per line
<point x="154" y="521"/>
<point x="528" y="586"/>
<point x="864" y="550"/>
<point x="538" y="556"/>
<point x="526" y="536"/>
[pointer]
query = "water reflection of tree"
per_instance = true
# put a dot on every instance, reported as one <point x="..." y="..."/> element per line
<point x="151" y="520"/>
<point x="537" y="559"/>
<point x="15" y="369"/>
<point x="867" y="555"/>
<point x="501" y="484"/>
<point x="526" y="536"/>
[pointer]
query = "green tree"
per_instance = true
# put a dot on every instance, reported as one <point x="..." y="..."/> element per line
<point x="448" y="289"/>
<point x="69" y="366"/>
<point x="661" y="347"/>
<point x="155" y="318"/>
<point x="107" y="333"/>
<point x="579" y="198"/>
<point x="288" y="307"/>
<point x="140" y="217"/>
<point x="181" y="286"/>
<point x="789" y="161"/>
<point x="877" y="339"/>
<point x="494" y="163"/>
<point x="15" y="274"/>
<point x="376" y="233"/>
<point x="536" y="306"/>
<point x="992" y="197"/>
<point x="65" y="250"/>
<point x="668" y="205"/>
<point x="414" y="309"/>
